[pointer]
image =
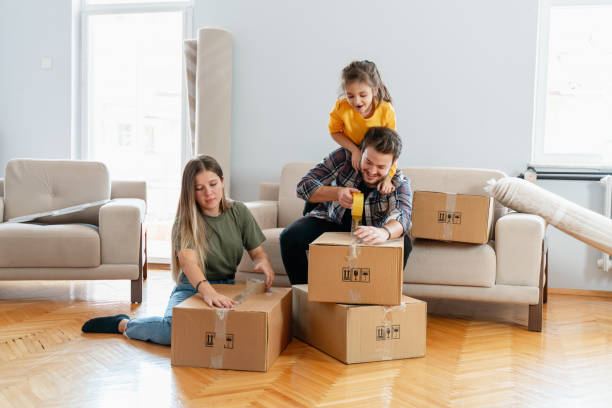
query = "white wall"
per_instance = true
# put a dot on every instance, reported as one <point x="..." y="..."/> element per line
<point x="573" y="264"/>
<point x="34" y="103"/>
<point x="461" y="75"/>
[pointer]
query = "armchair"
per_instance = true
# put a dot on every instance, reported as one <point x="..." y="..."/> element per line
<point x="102" y="241"/>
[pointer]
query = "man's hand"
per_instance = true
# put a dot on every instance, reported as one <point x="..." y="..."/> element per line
<point x="345" y="196"/>
<point x="371" y="235"/>
<point x="265" y="267"/>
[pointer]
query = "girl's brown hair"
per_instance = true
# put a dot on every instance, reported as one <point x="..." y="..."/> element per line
<point x="189" y="229"/>
<point x="365" y="71"/>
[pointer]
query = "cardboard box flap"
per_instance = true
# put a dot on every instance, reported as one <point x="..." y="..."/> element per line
<point x="261" y="302"/>
<point x="345" y="238"/>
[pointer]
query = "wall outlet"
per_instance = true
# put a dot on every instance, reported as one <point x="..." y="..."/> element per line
<point x="46" y="63"/>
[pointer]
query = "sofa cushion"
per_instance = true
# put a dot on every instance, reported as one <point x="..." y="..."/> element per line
<point x="55" y="246"/>
<point x="272" y="247"/>
<point x="39" y="186"/>
<point x="290" y="206"/>
<point x="450" y="263"/>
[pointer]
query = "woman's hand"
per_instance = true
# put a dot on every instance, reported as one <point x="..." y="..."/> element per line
<point x="262" y="264"/>
<point x="265" y="267"/>
<point x="214" y="299"/>
<point x="371" y="235"/>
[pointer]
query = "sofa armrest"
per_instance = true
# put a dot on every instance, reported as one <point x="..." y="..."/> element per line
<point x="129" y="189"/>
<point x="1" y="209"/>
<point x="519" y="240"/>
<point x="120" y="228"/>
<point x="269" y="191"/>
<point x="264" y="212"/>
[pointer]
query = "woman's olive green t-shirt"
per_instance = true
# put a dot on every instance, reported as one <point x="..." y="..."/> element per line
<point x="228" y="235"/>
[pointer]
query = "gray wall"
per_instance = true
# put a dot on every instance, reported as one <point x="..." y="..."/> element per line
<point x="34" y="103"/>
<point x="461" y="75"/>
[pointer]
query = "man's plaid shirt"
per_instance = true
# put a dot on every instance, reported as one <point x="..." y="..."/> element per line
<point x="336" y="169"/>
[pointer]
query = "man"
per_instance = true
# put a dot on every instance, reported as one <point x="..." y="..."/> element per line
<point x="331" y="184"/>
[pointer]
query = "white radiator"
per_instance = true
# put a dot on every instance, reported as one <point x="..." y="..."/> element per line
<point x="604" y="263"/>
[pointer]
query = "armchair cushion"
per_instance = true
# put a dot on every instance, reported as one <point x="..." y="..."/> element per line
<point x="264" y="212"/>
<point x="38" y="186"/>
<point x="450" y="263"/>
<point x="290" y="207"/>
<point x="33" y="245"/>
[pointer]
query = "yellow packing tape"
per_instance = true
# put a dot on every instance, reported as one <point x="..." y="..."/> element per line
<point x="357" y="205"/>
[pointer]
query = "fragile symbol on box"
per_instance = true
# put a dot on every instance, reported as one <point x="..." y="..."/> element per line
<point x="229" y="341"/>
<point x="210" y="340"/>
<point x="448" y="217"/>
<point x="387" y="333"/>
<point x="356" y="275"/>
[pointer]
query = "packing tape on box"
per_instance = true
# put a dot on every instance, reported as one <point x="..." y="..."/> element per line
<point x="253" y="286"/>
<point x="216" y="359"/>
<point x="354" y="295"/>
<point x="451" y="202"/>
<point x="385" y="345"/>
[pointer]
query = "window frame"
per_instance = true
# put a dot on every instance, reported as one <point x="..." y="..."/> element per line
<point x="538" y="157"/>
<point x="81" y="150"/>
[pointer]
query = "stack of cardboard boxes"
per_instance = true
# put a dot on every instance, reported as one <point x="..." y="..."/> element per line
<point x="353" y="307"/>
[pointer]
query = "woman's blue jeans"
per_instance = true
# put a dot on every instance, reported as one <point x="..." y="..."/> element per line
<point x="159" y="329"/>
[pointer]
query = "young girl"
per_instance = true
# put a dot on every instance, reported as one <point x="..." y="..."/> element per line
<point x="367" y="103"/>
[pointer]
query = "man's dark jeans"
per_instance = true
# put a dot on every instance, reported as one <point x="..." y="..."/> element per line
<point x="294" y="241"/>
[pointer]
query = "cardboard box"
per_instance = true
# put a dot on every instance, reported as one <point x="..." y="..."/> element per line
<point x="360" y="333"/>
<point x="248" y="337"/>
<point x="374" y="277"/>
<point x="452" y="217"/>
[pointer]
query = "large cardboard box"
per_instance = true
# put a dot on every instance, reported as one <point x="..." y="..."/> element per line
<point x="452" y="217"/>
<point x="361" y="333"/>
<point x="373" y="277"/>
<point x="248" y="337"/>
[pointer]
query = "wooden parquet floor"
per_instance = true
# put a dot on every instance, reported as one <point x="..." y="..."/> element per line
<point x="45" y="360"/>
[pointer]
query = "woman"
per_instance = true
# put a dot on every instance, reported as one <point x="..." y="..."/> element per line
<point x="208" y="238"/>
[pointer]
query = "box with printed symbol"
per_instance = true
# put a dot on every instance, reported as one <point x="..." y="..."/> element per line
<point x="360" y="333"/>
<point x="373" y="275"/>
<point x="248" y="337"/>
<point x="452" y="217"/>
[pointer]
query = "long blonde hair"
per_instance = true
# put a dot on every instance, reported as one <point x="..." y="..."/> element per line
<point x="189" y="225"/>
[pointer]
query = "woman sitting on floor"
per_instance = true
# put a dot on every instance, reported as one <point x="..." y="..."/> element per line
<point x="208" y="230"/>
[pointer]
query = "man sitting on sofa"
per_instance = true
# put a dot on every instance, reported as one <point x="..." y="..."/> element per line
<point x="331" y="184"/>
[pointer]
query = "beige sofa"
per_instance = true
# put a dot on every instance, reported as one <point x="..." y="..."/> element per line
<point x="104" y="240"/>
<point x="509" y="269"/>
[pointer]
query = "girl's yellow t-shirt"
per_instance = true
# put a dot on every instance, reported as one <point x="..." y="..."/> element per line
<point x="344" y="119"/>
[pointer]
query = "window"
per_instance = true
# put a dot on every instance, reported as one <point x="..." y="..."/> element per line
<point x="573" y="119"/>
<point x="134" y="114"/>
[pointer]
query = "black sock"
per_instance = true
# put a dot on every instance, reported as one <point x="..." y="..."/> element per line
<point x="106" y="324"/>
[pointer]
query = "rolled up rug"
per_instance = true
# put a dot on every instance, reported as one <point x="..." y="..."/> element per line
<point x="581" y="223"/>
